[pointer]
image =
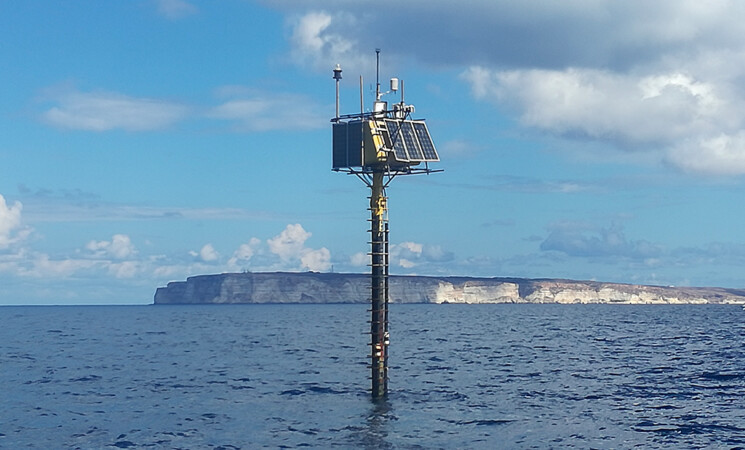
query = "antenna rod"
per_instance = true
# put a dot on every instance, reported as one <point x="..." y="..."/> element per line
<point x="362" y="100"/>
<point x="377" y="74"/>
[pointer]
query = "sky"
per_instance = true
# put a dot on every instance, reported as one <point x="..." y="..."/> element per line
<point x="146" y="141"/>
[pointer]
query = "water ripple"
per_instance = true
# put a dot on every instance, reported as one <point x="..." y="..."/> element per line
<point x="464" y="376"/>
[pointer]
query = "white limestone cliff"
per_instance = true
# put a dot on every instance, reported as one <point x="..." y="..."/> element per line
<point x="311" y="287"/>
<point x="475" y="292"/>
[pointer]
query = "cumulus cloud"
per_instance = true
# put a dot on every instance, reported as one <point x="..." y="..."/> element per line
<point x="104" y="111"/>
<point x="118" y="258"/>
<point x="11" y="229"/>
<point x="359" y="259"/>
<point x="693" y="123"/>
<point x="124" y="269"/>
<point x="290" y="242"/>
<point x="119" y="247"/>
<point x="243" y="254"/>
<point x="718" y="154"/>
<point x="315" y="42"/>
<point x="411" y="254"/>
<point x="289" y="245"/>
<point x="316" y="260"/>
<point x="207" y="253"/>
<point x="603" y="105"/>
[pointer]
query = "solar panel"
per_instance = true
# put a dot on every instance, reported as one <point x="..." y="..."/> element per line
<point x="347" y="139"/>
<point x="412" y="145"/>
<point x="428" y="147"/>
<point x="399" y="150"/>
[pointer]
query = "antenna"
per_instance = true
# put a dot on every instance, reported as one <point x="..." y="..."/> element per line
<point x="377" y="74"/>
<point x="374" y="146"/>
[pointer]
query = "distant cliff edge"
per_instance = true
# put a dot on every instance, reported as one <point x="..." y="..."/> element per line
<point x="312" y="287"/>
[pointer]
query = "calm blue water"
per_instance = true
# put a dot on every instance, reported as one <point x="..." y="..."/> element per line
<point x="462" y="376"/>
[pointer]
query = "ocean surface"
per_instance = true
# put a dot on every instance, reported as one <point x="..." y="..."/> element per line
<point x="461" y="376"/>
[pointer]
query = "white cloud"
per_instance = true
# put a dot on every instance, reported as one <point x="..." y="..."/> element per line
<point x="120" y="247"/>
<point x="258" y="111"/>
<point x="722" y="154"/>
<point x="316" y="260"/>
<point x="248" y="109"/>
<point x="411" y="254"/>
<point x="124" y="269"/>
<point x="661" y="78"/>
<point x="175" y="9"/>
<point x="692" y="123"/>
<point x="11" y="229"/>
<point x="605" y="105"/>
<point x="103" y="111"/>
<point x="411" y="248"/>
<point x="289" y="245"/>
<point x="317" y="44"/>
<point x="405" y="263"/>
<point x="43" y="266"/>
<point x="208" y="253"/>
<point x="119" y="259"/>
<point x="243" y="254"/>
<point x="359" y="259"/>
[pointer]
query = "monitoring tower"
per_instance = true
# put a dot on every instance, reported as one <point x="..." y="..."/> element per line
<point x="378" y="145"/>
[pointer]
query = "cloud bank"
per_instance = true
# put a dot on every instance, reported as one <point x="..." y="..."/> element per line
<point x="662" y="78"/>
<point x="119" y="257"/>
<point x="104" y="111"/>
<point x="246" y="109"/>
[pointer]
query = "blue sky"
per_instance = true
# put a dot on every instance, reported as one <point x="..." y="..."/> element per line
<point x="145" y="141"/>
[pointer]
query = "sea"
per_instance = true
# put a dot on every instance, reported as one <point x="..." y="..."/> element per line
<point x="296" y="376"/>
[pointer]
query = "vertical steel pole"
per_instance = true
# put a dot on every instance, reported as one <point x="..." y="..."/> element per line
<point x="379" y="291"/>
<point x="337" y="99"/>
<point x="386" y="334"/>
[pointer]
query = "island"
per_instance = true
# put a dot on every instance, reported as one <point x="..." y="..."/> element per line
<point x="314" y="287"/>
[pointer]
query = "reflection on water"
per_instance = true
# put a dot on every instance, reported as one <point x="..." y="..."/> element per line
<point x="378" y="422"/>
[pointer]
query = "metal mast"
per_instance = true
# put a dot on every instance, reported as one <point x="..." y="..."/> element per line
<point x="379" y="283"/>
<point x="377" y="146"/>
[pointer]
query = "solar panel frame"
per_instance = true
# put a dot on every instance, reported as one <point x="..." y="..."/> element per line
<point x="411" y="141"/>
<point x="425" y="141"/>
<point x="399" y="149"/>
